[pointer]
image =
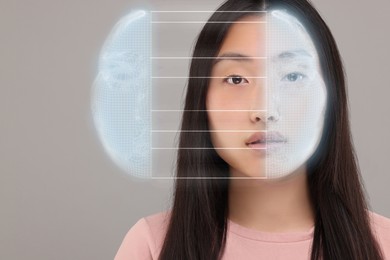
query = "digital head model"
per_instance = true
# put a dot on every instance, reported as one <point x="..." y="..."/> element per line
<point x="265" y="100"/>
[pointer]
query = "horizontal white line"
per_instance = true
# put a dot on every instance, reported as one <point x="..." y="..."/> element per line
<point x="181" y="22"/>
<point x="171" y="77"/>
<point x="209" y="11"/>
<point x="206" y="131"/>
<point x="204" y="58"/>
<point x="210" y="110"/>
<point x="203" y="148"/>
<point x="205" y="178"/>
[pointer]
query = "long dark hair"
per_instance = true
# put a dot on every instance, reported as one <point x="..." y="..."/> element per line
<point x="198" y="219"/>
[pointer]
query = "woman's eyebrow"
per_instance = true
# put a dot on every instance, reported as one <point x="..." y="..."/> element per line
<point x="233" y="56"/>
<point x="294" y="54"/>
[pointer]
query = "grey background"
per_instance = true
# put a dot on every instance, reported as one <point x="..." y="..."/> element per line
<point x="61" y="196"/>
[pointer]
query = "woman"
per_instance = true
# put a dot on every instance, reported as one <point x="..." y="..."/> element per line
<point x="282" y="194"/>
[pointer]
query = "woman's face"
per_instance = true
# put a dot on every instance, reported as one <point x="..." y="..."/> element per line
<point x="267" y="98"/>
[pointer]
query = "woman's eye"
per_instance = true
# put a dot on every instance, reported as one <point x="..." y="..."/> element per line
<point x="293" y="77"/>
<point x="235" y="80"/>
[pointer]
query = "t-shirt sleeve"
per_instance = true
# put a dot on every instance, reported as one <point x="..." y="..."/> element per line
<point x="137" y="243"/>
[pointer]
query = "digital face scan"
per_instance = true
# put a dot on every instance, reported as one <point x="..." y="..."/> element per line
<point x="267" y="96"/>
<point x="121" y="95"/>
<point x="296" y="97"/>
<point x="265" y="102"/>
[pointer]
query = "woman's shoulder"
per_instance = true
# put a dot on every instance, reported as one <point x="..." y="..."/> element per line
<point x="381" y="224"/>
<point x="158" y="219"/>
<point x="144" y="239"/>
<point x="379" y="219"/>
<point x="158" y="224"/>
<point x="381" y="228"/>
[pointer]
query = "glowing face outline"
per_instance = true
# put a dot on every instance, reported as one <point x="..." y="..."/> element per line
<point x="270" y="86"/>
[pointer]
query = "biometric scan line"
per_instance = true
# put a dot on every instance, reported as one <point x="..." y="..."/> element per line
<point x="265" y="101"/>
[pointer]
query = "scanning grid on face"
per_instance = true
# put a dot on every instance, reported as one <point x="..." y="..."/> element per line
<point x="283" y="112"/>
<point x="241" y="92"/>
<point x="231" y="130"/>
<point x="296" y="91"/>
<point x="265" y="100"/>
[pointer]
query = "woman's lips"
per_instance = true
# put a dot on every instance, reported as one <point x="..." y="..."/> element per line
<point x="265" y="140"/>
<point x="257" y="146"/>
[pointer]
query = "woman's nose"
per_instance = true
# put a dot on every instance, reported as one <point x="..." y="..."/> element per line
<point x="266" y="116"/>
<point x="265" y="107"/>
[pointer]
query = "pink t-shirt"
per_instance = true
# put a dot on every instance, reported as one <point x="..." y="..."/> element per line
<point x="144" y="241"/>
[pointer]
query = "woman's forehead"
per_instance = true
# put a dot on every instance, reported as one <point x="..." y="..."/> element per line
<point x="285" y="34"/>
<point x="274" y="35"/>
<point x="246" y="36"/>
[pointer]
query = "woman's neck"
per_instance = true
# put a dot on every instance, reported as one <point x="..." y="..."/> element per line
<point x="272" y="205"/>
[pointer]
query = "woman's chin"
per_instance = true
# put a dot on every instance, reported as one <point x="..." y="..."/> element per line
<point x="264" y="174"/>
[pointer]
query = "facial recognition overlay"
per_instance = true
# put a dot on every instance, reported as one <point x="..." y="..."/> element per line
<point x="137" y="97"/>
<point x="121" y="100"/>
<point x="296" y="95"/>
<point x="265" y="102"/>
